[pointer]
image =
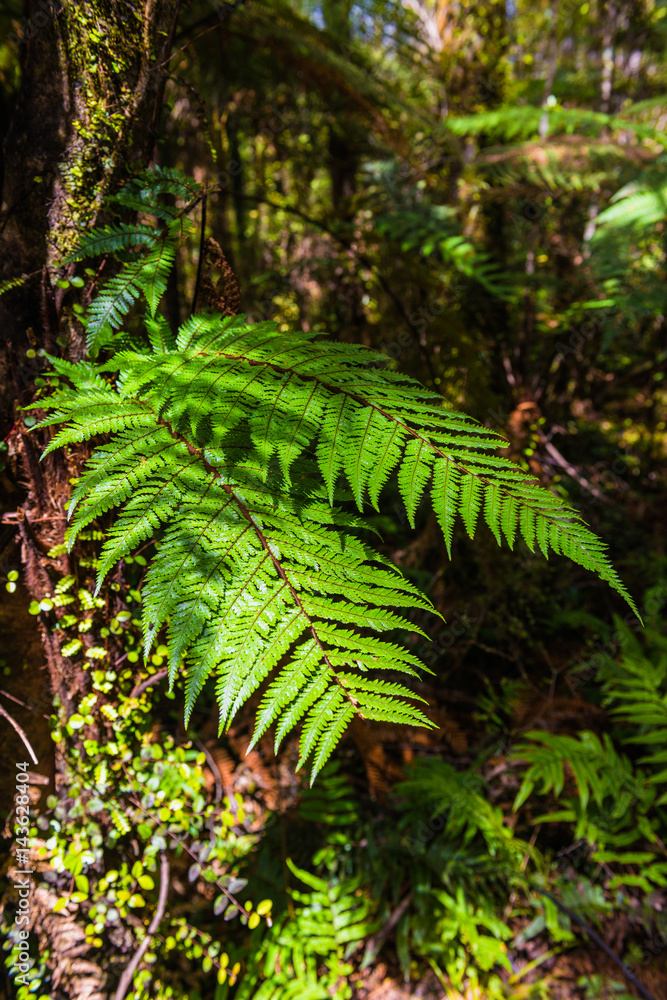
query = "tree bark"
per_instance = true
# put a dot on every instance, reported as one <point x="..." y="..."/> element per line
<point x="87" y="112"/>
<point x="88" y="108"/>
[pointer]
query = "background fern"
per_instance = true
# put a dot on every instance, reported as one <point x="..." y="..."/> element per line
<point x="430" y="229"/>
<point x="619" y="803"/>
<point x="330" y="921"/>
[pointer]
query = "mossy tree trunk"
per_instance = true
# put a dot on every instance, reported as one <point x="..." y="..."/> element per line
<point x="88" y="109"/>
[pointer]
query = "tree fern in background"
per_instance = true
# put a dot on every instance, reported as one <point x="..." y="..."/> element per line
<point x="515" y="122"/>
<point x="430" y="229"/>
<point x="635" y="691"/>
<point x="238" y="449"/>
<point x="619" y="803"/>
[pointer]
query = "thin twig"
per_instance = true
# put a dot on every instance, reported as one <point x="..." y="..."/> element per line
<point x="128" y="974"/>
<point x="215" y="771"/>
<point x="229" y="8"/>
<point x="201" y="254"/>
<point x="594" y="936"/>
<point x="23" y="704"/>
<point x="21" y="733"/>
<point x="144" y="685"/>
<point x="375" y="943"/>
<point x="561" y="461"/>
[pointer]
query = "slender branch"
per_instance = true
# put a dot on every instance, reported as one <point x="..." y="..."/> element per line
<point x="375" y="943"/>
<point x="182" y="844"/>
<point x="594" y="936"/>
<point x="217" y="776"/>
<point x="201" y="253"/>
<point x="5" y="714"/>
<point x="128" y="974"/>
<point x="563" y="463"/>
<point x="220" y="16"/>
<point x="23" y="704"/>
<point x="144" y="685"/>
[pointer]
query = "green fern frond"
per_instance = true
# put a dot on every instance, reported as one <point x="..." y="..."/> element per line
<point x="9" y="283"/>
<point x="253" y="566"/>
<point x="613" y="805"/>
<point x="148" y="275"/>
<point x="147" y="253"/>
<point x="304" y="955"/>
<point x="515" y="122"/>
<point x="153" y="182"/>
<point x="112" y="239"/>
<point x="432" y="229"/>
<point x="433" y="788"/>
<point x="636" y="207"/>
<point x="636" y="692"/>
<point x="230" y="446"/>
<point x="146" y="191"/>
<point x="585" y="756"/>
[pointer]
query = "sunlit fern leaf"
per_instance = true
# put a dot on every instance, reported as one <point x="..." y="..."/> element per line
<point x="160" y="334"/>
<point x="329" y="451"/>
<point x="414" y="474"/>
<point x="227" y="446"/>
<point x="446" y="487"/>
<point x="510" y="519"/>
<point x="249" y="566"/>
<point x="527" y="526"/>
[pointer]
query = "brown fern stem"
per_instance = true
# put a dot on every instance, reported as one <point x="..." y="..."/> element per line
<point x="201" y="254"/>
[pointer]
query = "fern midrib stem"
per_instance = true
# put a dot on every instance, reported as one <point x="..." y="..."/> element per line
<point x="229" y="490"/>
